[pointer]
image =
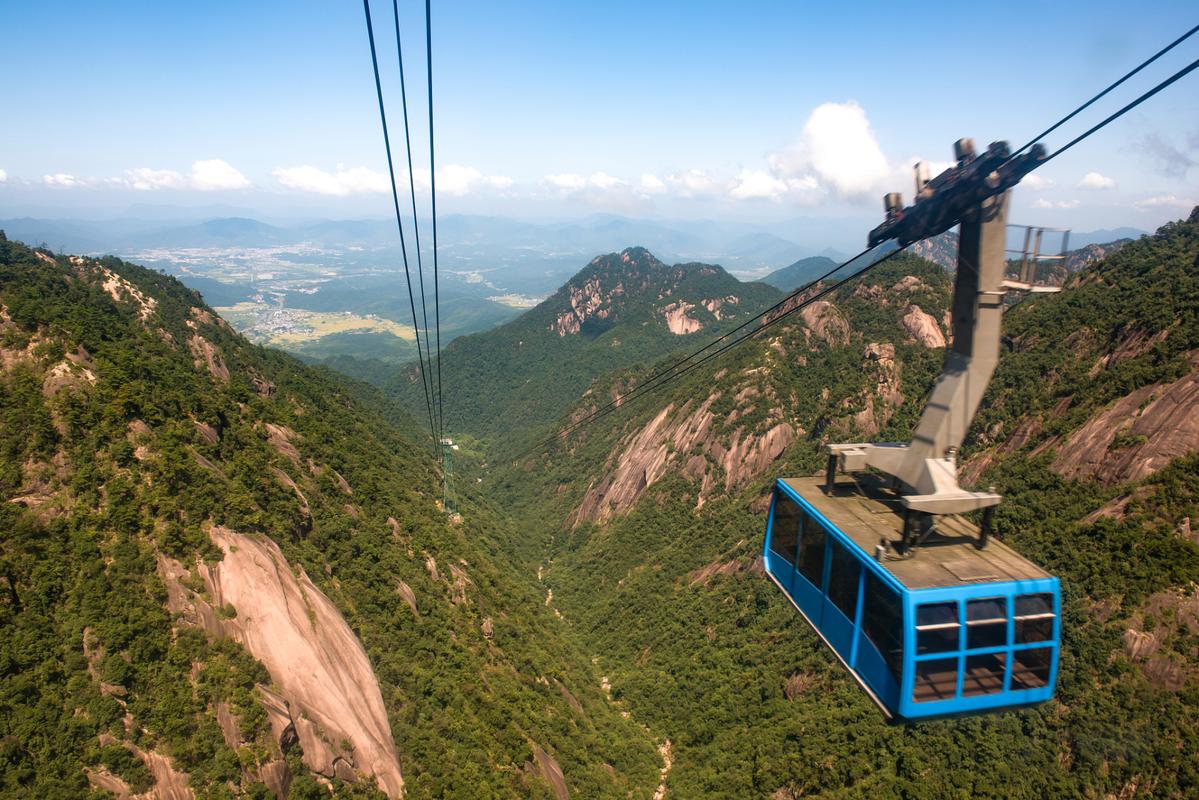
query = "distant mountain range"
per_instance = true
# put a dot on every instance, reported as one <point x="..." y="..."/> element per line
<point x="529" y="257"/>
<point x="742" y="245"/>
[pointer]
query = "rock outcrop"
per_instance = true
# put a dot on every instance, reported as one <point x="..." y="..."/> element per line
<point x="586" y="302"/>
<point x="122" y="290"/>
<point x="677" y="321"/>
<point x="826" y="322"/>
<point x="716" y="305"/>
<point x="685" y="439"/>
<point x="169" y="783"/>
<point x="941" y="249"/>
<point x="821" y="318"/>
<point x="885" y="396"/>
<point x="1137" y="435"/>
<point x="328" y="697"/>
<point x="208" y="355"/>
<point x="923" y="327"/>
<point x="549" y="769"/>
<point x="280" y="438"/>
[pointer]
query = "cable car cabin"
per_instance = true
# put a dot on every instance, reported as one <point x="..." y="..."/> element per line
<point x="948" y="629"/>
<point x="949" y="622"/>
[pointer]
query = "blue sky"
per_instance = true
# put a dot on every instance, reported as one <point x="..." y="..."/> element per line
<point x="752" y="111"/>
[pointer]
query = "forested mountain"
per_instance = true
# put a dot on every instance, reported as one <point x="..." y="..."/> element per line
<point x="646" y="527"/>
<point x="806" y="270"/>
<point x="224" y="573"/>
<point x="621" y="309"/>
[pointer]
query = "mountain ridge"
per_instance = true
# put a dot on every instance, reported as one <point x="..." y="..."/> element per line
<point x="620" y="308"/>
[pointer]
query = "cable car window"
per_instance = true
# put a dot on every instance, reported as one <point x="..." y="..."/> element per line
<point x="784" y="532"/>
<point x="986" y="623"/>
<point x="937" y="627"/>
<point x="1030" y="668"/>
<point x="1031" y="605"/>
<point x="984" y="674"/>
<point x="1034" y="618"/>
<point x="811" y="551"/>
<point x="882" y="622"/>
<point x="936" y="679"/>
<point x="843" y="580"/>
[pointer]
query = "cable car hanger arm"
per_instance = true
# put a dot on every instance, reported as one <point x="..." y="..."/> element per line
<point x="974" y="194"/>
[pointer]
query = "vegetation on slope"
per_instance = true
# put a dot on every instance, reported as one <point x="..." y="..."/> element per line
<point x="699" y="645"/>
<point x="124" y="436"/>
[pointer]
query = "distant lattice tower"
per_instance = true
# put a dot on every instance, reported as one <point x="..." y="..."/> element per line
<point x="1034" y="260"/>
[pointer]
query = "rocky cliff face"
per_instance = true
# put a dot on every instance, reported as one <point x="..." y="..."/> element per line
<point x="677" y="321"/>
<point x="684" y="440"/>
<point x="1137" y="435"/>
<point x="923" y="327"/>
<point x="589" y="301"/>
<point x="942" y="250"/>
<point x="1084" y="257"/>
<point x="326" y="695"/>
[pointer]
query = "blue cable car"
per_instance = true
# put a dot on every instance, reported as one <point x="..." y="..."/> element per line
<point x="944" y="629"/>
<point x="930" y="615"/>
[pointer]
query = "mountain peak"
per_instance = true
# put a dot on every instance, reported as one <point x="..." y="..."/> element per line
<point x="630" y="256"/>
<point x="634" y="285"/>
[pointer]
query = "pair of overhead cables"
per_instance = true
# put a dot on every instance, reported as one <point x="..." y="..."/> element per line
<point x="426" y="355"/>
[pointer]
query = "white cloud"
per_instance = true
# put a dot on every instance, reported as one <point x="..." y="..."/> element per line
<point x="205" y="175"/>
<point x="344" y="181"/>
<point x="145" y="179"/>
<point x="1037" y="183"/>
<point x="566" y="181"/>
<point x="1093" y="180"/>
<point x="214" y="174"/>
<point x="574" y="182"/>
<point x="1043" y="203"/>
<point x="902" y="177"/>
<point x="694" y="183"/>
<point x="62" y="180"/>
<point x="1166" y="201"/>
<point x="651" y="184"/>
<point x="208" y="175"/>
<point x="452" y="179"/>
<point x="758" y="184"/>
<point x="3" y="176"/>
<point x="602" y="180"/>
<point x="837" y="148"/>
<point x="457" y="180"/>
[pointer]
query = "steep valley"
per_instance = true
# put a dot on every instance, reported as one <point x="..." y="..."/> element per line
<point x="646" y="528"/>
<point x="226" y="573"/>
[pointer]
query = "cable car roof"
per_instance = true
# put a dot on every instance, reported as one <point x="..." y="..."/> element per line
<point x="866" y="511"/>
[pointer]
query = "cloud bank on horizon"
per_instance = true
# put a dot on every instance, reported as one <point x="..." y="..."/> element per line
<point x="836" y="159"/>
